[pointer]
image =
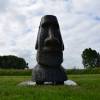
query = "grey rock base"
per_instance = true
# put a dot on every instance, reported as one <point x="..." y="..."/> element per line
<point x="31" y="83"/>
<point x="70" y="83"/>
<point x="41" y="74"/>
<point x="27" y="83"/>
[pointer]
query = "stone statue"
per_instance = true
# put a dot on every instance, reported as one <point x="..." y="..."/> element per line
<point x="49" y="46"/>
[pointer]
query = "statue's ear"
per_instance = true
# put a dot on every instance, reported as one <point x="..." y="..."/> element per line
<point x="36" y="45"/>
<point x="63" y="47"/>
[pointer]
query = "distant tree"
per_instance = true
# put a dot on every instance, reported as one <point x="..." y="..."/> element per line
<point x="98" y="61"/>
<point x="14" y="62"/>
<point x="90" y="58"/>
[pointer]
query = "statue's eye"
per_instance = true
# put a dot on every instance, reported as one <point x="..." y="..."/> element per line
<point x="55" y="26"/>
<point x="45" y="25"/>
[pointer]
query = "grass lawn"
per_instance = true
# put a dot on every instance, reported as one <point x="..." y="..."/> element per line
<point x="88" y="89"/>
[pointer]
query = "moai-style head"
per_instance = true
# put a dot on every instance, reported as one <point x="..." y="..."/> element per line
<point x="49" y="43"/>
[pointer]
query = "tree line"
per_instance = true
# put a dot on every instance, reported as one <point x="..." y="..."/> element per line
<point x="90" y="58"/>
<point x="12" y="62"/>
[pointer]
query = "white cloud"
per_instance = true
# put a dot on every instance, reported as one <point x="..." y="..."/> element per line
<point x="79" y="22"/>
<point x="91" y="7"/>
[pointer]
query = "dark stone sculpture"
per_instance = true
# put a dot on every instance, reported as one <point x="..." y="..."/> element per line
<point x="49" y="48"/>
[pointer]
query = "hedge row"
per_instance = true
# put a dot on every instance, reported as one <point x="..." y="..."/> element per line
<point x="13" y="72"/>
<point x="83" y="71"/>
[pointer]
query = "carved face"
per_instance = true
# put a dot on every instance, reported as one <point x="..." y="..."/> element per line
<point x="49" y="41"/>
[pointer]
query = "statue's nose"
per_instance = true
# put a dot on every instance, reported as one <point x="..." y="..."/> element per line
<point x="51" y="40"/>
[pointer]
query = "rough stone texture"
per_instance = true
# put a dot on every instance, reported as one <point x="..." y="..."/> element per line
<point x="70" y="83"/>
<point x="27" y="83"/>
<point x="49" y="46"/>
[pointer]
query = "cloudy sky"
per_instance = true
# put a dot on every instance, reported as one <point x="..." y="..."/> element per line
<point x="79" y="24"/>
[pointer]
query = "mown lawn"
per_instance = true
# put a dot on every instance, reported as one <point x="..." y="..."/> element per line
<point x="88" y="89"/>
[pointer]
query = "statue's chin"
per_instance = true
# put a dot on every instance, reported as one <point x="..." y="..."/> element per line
<point x="52" y="59"/>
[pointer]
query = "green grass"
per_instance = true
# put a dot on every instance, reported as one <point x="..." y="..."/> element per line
<point x="88" y="89"/>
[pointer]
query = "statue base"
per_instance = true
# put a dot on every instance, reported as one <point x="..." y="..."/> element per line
<point x="42" y="73"/>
